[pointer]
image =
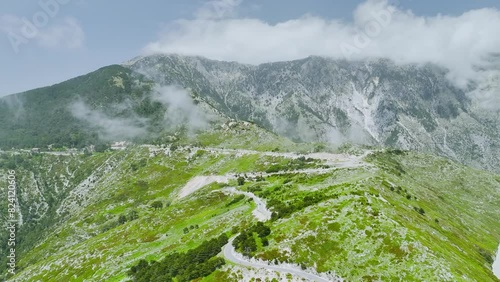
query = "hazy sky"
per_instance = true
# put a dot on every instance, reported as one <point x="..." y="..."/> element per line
<point x="42" y="46"/>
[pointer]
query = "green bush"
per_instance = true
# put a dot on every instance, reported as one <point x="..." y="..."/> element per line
<point x="193" y="264"/>
<point x="241" y="181"/>
<point x="157" y="205"/>
<point x="236" y="200"/>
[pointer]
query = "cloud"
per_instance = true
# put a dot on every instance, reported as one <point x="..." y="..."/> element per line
<point x="181" y="109"/>
<point x="66" y="33"/>
<point x="15" y="105"/>
<point x="463" y="44"/>
<point x="110" y="129"/>
<point x="487" y="91"/>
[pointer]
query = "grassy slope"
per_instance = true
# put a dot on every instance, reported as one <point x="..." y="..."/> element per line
<point x="43" y="181"/>
<point x="362" y="230"/>
<point x="43" y="116"/>
<point x="366" y="231"/>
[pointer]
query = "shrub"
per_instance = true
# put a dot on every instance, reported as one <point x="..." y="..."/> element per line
<point x="157" y="205"/>
<point x="133" y="215"/>
<point x="241" y="181"/>
<point x="487" y="256"/>
<point x="122" y="219"/>
<point x="419" y="210"/>
<point x="235" y="200"/>
<point x="273" y="169"/>
<point x="193" y="264"/>
<point x="142" y="184"/>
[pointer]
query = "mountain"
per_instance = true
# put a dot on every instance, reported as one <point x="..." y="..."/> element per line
<point x="236" y="172"/>
<point x="375" y="102"/>
<point x="46" y="116"/>
<point x="356" y="214"/>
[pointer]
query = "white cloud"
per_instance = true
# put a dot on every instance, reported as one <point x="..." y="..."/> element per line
<point x="109" y="128"/>
<point x="66" y="33"/>
<point x="179" y="105"/>
<point x="181" y="108"/>
<point x="461" y="43"/>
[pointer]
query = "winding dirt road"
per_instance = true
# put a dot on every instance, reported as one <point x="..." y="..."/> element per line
<point x="261" y="212"/>
<point x="231" y="255"/>
<point x="335" y="161"/>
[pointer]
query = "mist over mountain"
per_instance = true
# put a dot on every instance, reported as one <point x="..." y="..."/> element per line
<point x="379" y="29"/>
<point x="374" y="102"/>
<point x="250" y="141"/>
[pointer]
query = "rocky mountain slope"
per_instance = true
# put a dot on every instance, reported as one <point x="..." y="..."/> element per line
<point x="221" y="146"/>
<point x="370" y="102"/>
<point x="357" y="215"/>
<point x="377" y="102"/>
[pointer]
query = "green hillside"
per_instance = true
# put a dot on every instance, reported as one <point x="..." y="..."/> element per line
<point x="394" y="215"/>
<point x="44" y="116"/>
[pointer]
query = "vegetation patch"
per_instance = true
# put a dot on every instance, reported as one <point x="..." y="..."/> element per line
<point x="195" y="263"/>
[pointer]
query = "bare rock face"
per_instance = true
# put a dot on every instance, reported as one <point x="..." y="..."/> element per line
<point x="370" y="102"/>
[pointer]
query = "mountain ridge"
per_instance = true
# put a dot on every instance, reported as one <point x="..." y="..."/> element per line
<point x="320" y="99"/>
<point x="375" y="102"/>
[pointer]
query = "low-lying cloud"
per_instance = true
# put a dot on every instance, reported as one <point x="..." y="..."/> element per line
<point x="15" y="105"/>
<point x="109" y="128"/>
<point x="180" y="110"/>
<point x="464" y="44"/>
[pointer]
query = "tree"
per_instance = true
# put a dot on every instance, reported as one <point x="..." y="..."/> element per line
<point x="122" y="219"/>
<point x="241" y="181"/>
<point x="133" y="215"/>
<point x="249" y="246"/>
<point x="235" y="230"/>
<point x="102" y="147"/>
<point x="157" y="205"/>
<point x="421" y="211"/>
<point x="265" y="242"/>
<point x="140" y="266"/>
<point x="262" y="230"/>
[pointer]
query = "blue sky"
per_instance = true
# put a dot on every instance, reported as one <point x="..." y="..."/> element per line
<point x="84" y="35"/>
